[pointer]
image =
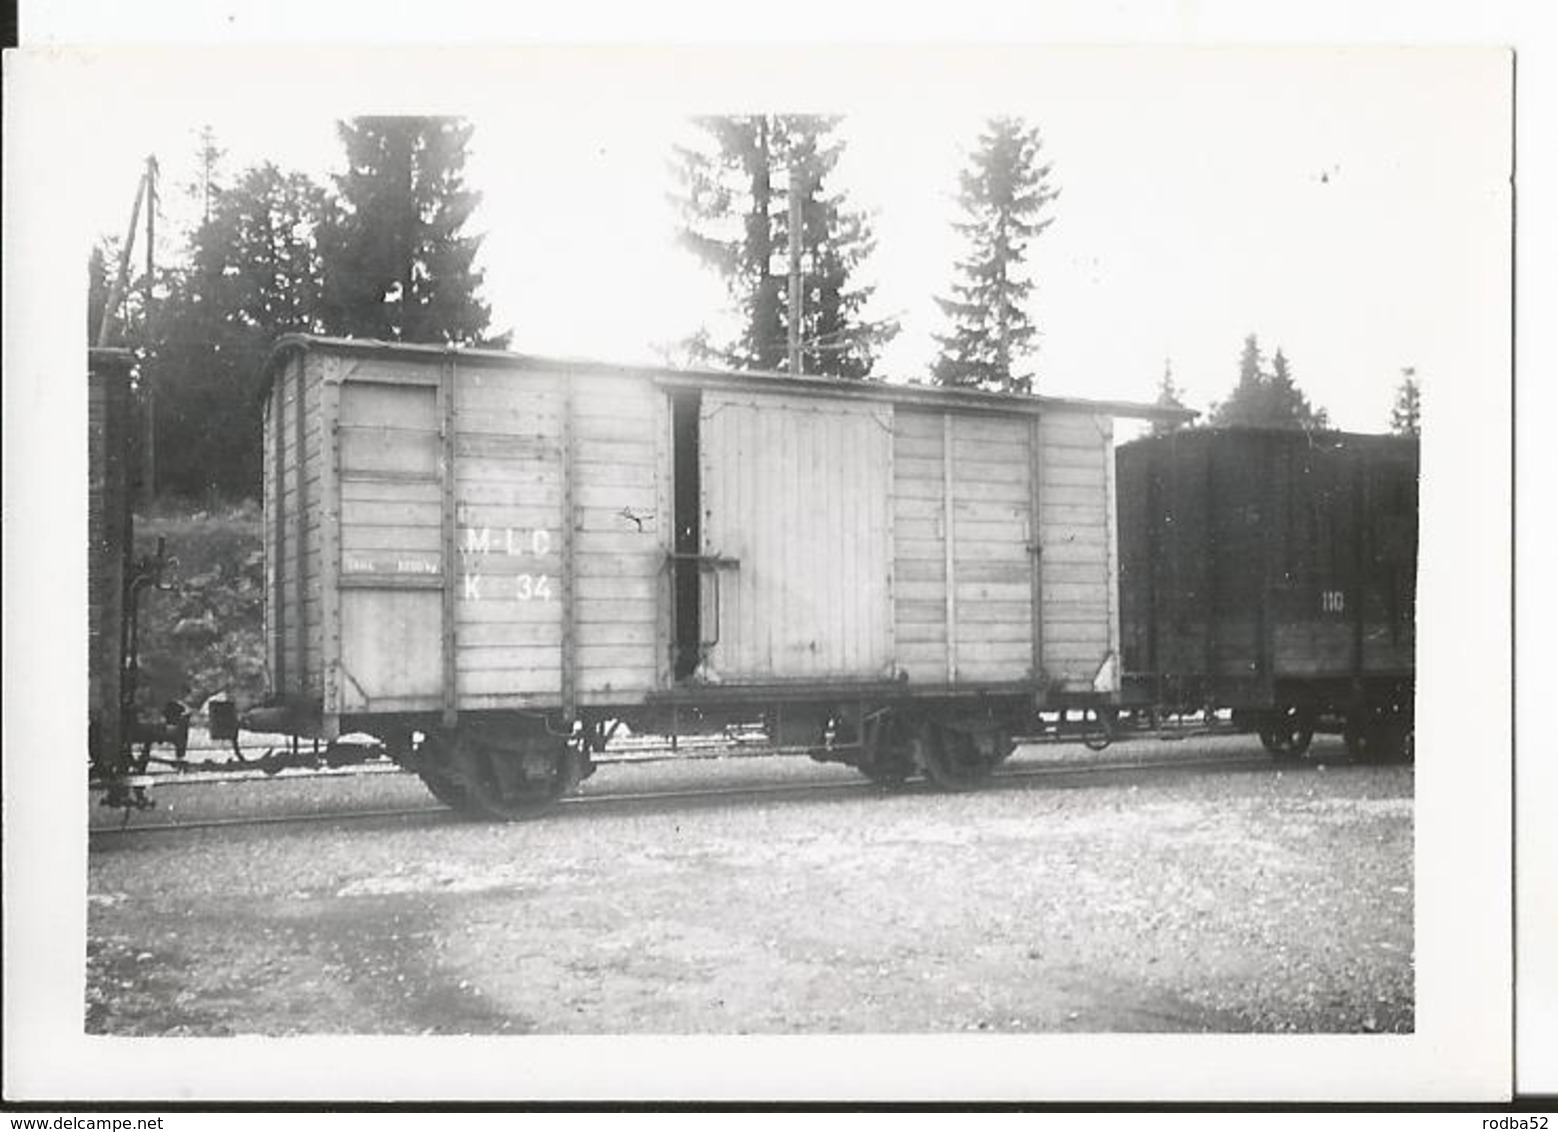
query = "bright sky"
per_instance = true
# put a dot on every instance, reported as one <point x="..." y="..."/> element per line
<point x="1348" y="206"/>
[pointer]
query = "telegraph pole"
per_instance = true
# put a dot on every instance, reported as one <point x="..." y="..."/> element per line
<point x="121" y="279"/>
<point x="794" y="194"/>
<point x="149" y="399"/>
<point x="145" y="191"/>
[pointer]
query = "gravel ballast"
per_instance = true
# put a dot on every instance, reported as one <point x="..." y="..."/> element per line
<point x="1222" y="900"/>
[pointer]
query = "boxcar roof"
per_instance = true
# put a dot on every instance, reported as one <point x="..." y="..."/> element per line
<point x="764" y="380"/>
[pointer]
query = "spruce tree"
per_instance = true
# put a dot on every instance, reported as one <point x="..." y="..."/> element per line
<point x="1287" y="401"/>
<point x="1405" y="415"/>
<point x="1266" y="399"/>
<point x="397" y="262"/>
<point x="733" y="187"/>
<point x="1168" y="398"/>
<point x="1004" y="194"/>
<point x="209" y="155"/>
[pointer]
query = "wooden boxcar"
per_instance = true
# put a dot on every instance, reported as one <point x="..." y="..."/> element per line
<point x="109" y="547"/>
<point x="489" y="560"/>
<point x="1272" y="573"/>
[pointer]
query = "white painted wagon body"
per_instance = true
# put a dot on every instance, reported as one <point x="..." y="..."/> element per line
<point x="463" y="531"/>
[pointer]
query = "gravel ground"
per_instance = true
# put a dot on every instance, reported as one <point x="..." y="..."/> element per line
<point x="1230" y="901"/>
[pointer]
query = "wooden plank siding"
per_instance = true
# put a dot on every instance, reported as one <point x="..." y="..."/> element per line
<point x="991" y="494"/>
<point x="390" y="500"/>
<point x="983" y="472"/>
<point x="919" y="546"/>
<point x="798" y="495"/>
<point x="288" y="528"/>
<point x="455" y="535"/>
<point x="312" y="544"/>
<point x="1076" y="533"/>
<point x="509" y="491"/>
<point x="619" y="551"/>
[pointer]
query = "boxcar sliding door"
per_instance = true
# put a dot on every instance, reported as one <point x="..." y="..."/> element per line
<point x="796" y="503"/>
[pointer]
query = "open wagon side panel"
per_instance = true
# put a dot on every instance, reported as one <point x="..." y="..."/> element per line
<point x="1272" y="573"/>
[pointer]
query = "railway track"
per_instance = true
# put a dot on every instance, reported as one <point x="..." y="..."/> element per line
<point x="1004" y="778"/>
<point x="166" y="772"/>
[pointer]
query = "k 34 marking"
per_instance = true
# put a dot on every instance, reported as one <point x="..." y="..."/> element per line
<point x="478" y="542"/>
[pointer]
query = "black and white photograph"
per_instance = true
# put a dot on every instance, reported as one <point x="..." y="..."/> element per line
<point x="677" y="573"/>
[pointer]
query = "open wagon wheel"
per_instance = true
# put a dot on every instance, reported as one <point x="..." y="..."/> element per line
<point x="1380" y="740"/>
<point x="1098" y="732"/>
<point x="1288" y="733"/>
<point x="950" y="758"/>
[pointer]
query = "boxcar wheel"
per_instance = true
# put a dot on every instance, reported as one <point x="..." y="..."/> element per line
<point x="484" y="774"/>
<point x="885" y="758"/>
<point x="951" y="759"/>
<point x="889" y="773"/>
<point x="433" y="764"/>
<point x="447" y="791"/>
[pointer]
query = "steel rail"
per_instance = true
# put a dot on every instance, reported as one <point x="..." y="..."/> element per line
<point x="1237" y="761"/>
<point x="690" y="749"/>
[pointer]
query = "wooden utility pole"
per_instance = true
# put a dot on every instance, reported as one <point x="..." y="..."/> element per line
<point x="794" y="194"/>
<point x="149" y="395"/>
<point x="145" y="191"/>
<point x="122" y="279"/>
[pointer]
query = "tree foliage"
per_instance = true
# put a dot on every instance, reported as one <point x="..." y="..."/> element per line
<point x="732" y="187"/>
<point x="1405" y="415"/>
<point x="254" y="273"/>
<point x="1169" y="397"/>
<point x="1266" y="398"/>
<point x="277" y="252"/>
<point x="398" y="263"/>
<point x="1004" y="194"/>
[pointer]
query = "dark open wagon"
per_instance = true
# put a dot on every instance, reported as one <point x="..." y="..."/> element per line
<point x="1273" y="573"/>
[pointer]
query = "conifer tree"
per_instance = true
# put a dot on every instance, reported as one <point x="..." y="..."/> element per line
<point x="732" y="193"/>
<point x="253" y="274"/>
<point x="1004" y="194"/>
<point x="1168" y="398"/>
<point x="398" y="264"/>
<point x="1266" y="399"/>
<point x="1405" y="415"/>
